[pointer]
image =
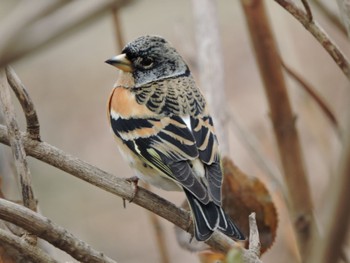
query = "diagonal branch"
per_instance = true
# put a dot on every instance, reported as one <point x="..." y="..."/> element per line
<point x="308" y="10"/>
<point x="320" y="35"/>
<point x="332" y="17"/>
<point x="50" y="27"/>
<point x="111" y="183"/>
<point x="24" y="14"/>
<point x="16" y="143"/>
<point x="54" y="234"/>
<point x="33" y="127"/>
<point x="28" y="252"/>
<point x="312" y="92"/>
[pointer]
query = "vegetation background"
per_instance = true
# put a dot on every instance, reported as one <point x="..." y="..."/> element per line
<point x="70" y="84"/>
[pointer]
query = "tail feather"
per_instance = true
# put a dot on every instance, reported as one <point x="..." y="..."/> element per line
<point x="205" y="217"/>
<point x="208" y="217"/>
<point x="229" y="228"/>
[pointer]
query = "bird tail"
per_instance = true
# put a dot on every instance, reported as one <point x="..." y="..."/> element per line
<point x="208" y="217"/>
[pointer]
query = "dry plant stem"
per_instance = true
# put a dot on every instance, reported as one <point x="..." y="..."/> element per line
<point x="24" y="14"/>
<point x="160" y="237"/>
<point x="254" y="150"/>
<point x="111" y="183"/>
<point x="337" y="212"/>
<point x="122" y="188"/>
<point x="320" y="35"/>
<point x="344" y="8"/>
<point x="283" y="121"/>
<point x="330" y="15"/>
<point x="54" y="234"/>
<point x="33" y="127"/>
<point x="313" y="93"/>
<point x="27" y="252"/>
<point x="211" y="65"/>
<point x="16" y="144"/>
<point x="254" y="241"/>
<point x="307" y="9"/>
<point x="51" y="27"/>
<point x="119" y="39"/>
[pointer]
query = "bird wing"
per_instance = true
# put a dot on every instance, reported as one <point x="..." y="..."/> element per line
<point x="166" y="144"/>
<point x="207" y="145"/>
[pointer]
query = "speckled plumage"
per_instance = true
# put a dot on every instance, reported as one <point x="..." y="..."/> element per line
<point x="163" y="128"/>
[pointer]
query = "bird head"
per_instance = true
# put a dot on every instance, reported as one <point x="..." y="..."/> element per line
<point x="150" y="58"/>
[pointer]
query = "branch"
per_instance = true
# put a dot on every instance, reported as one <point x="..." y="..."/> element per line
<point x="337" y="213"/>
<point x="312" y="92"/>
<point x="18" y="151"/>
<point x="250" y="142"/>
<point x="28" y="252"/>
<point x="118" y="33"/>
<point x="49" y="28"/>
<point x="24" y="14"/>
<point x="54" y="234"/>
<point x="283" y="120"/>
<point x="111" y="183"/>
<point x="307" y="9"/>
<point x="33" y="127"/>
<point x="254" y="242"/>
<point x="332" y="17"/>
<point x="344" y="8"/>
<point x="160" y="236"/>
<point x="253" y="253"/>
<point x="320" y="35"/>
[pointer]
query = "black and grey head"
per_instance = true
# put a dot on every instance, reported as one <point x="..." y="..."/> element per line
<point x="150" y="58"/>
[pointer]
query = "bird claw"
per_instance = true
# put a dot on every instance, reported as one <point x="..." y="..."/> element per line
<point x="134" y="181"/>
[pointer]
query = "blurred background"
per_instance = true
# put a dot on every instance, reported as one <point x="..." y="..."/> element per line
<point x="70" y="84"/>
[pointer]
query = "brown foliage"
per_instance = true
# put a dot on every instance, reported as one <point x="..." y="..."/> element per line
<point x="243" y="195"/>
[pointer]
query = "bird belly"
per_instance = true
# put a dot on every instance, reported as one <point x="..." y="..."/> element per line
<point x="145" y="172"/>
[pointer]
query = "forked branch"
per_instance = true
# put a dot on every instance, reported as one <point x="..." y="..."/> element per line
<point x="320" y="35"/>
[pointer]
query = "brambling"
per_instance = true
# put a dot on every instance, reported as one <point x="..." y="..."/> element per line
<point x="164" y="130"/>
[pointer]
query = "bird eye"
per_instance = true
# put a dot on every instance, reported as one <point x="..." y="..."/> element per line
<point x="146" y="62"/>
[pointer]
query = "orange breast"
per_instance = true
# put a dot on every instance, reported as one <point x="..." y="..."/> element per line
<point x="123" y="102"/>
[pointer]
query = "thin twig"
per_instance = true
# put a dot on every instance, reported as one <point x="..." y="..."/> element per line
<point x="337" y="213"/>
<point x="344" y="9"/>
<point x="332" y="17"/>
<point x="254" y="242"/>
<point x="160" y="237"/>
<point x="49" y="28"/>
<point x="28" y="252"/>
<point x="321" y="36"/>
<point x="283" y="121"/>
<point x="24" y="14"/>
<point x="118" y="33"/>
<point x="54" y="234"/>
<point x="307" y="9"/>
<point x="253" y="253"/>
<point x="313" y="93"/>
<point x="111" y="183"/>
<point x="16" y="144"/>
<point x="33" y="127"/>
<point x="254" y="150"/>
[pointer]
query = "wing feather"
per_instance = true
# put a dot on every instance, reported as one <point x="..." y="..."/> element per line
<point x="168" y="147"/>
<point x="207" y="145"/>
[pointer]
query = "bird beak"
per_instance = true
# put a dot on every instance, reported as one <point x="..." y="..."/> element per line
<point x="121" y="62"/>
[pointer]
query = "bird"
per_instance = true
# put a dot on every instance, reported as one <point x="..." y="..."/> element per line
<point x="163" y="128"/>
